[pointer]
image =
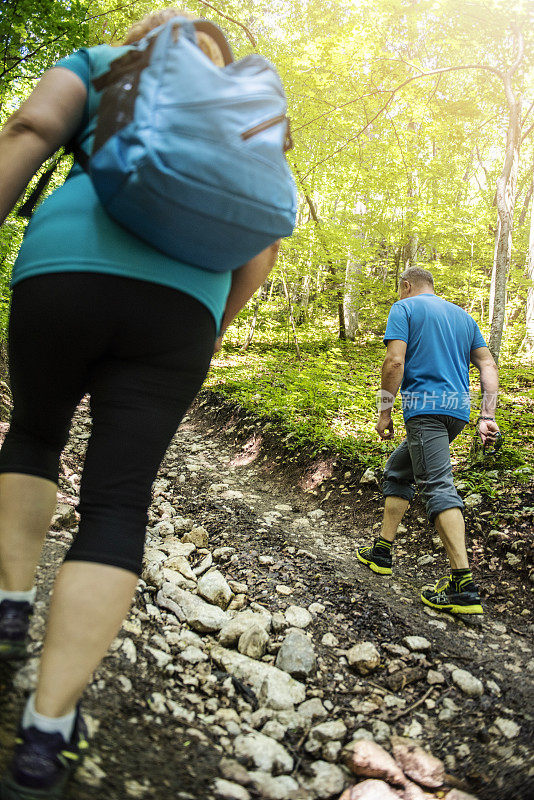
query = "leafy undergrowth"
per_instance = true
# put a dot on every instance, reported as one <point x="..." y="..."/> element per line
<point x="325" y="401"/>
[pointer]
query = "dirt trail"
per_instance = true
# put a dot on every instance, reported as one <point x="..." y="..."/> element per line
<point x="289" y="548"/>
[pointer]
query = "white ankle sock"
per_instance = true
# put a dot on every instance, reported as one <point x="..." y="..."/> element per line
<point x="18" y="597"/>
<point x="63" y="725"/>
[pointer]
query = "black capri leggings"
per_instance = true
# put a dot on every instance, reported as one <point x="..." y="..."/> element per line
<point x="142" y="351"/>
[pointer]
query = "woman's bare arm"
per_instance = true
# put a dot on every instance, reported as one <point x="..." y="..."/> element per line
<point x="45" y="121"/>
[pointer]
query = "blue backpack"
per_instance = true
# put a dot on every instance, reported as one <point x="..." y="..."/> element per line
<point x="190" y="156"/>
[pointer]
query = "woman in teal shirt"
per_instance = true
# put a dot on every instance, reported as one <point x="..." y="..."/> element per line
<point x="94" y="310"/>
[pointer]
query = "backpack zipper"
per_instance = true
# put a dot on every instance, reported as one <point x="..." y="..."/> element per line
<point x="269" y="123"/>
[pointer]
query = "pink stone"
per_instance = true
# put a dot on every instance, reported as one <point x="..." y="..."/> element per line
<point x="420" y="766"/>
<point x="369" y="760"/>
<point x="370" y="790"/>
<point x="413" y="792"/>
<point x="456" y="794"/>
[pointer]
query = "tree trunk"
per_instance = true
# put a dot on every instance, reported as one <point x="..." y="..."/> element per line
<point x="351" y="297"/>
<point x="505" y="201"/>
<point x="527" y="346"/>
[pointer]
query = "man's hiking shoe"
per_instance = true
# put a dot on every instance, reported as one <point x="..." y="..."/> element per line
<point x="378" y="562"/>
<point x="43" y="763"/>
<point x="14" y="624"/>
<point x="445" y="597"/>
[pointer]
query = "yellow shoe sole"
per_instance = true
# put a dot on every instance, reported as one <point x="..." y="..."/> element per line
<point x="373" y="566"/>
<point x="452" y="609"/>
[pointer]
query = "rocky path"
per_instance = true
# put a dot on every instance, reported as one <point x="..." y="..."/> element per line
<point x="258" y="651"/>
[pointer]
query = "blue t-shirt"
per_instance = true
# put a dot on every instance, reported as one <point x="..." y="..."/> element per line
<point x="439" y="337"/>
<point x="71" y="232"/>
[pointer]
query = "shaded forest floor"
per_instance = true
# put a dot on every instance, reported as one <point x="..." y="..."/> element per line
<point x="265" y="493"/>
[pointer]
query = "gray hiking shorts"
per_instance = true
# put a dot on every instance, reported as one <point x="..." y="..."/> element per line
<point x="424" y="459"/>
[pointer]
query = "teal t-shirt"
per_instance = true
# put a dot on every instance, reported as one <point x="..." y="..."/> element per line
<point x="71" y="232"/>
<point x="439" y="339"/>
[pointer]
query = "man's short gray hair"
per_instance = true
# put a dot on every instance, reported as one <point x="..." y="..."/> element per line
<point x="417" y="276"/>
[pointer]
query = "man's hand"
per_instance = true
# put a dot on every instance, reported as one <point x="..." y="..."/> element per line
<point x="488" y="430"/>
<point x="385" y="423"/>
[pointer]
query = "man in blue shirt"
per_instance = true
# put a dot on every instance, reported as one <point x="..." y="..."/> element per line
<point x="430" y="344"/>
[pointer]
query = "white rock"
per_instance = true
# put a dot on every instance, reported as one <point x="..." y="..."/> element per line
<point x="176" y="549"/>
<point x="433" y="677"/>
<point x="473" y="500"/>
<point x="204" y="565"/>
<point x="154" y="556"/>
<point x="193" y="655"/>
<point x="136" y="789"/>
<point x="262" y="752"/>
<point x="469" y="685"/>
<point x="381" y="731"/>
<point x="283" y="787"/>
<point x="316" y="608"/>
<point x="328" y="779"/>
<point x="233" y="629"/>
<point x="312" y="710"/>
<point x="424" y="560"/>
<point x="253" y="642"/>
<point x="417" y="643"/>
<point x="129" y="650"/>
<point x="216" y="488"/>
<point x="330" y="751"/>
<point x="213" y="587"/>
<point x="132" y="626"/>
<point x="414" y="730"/>
<point x="162" y="658"/>
<point x="298" y="617"/>
<point x="329" y="640"/>
<point x="230" y="791"/>
<point x="274" y="688"/>
<point x="197" y="536"/>
<point x="157" y="703"/>
<point x="167" y="575"/>
<point x="181" y="565"/>
<point x="232" y="494"/>
<point x="179" y="712"/>
<point x="317" y="513"/>
<point x="368" y="477"/>
<point x="296" y="655"/>
<point x="333" y="731"/>
<point x="284" y="590"/>
<point x="201" y="616"/>
<point x="507" y="727"/>
<point x="274" y="729"/>
<point x="364" y="657"/>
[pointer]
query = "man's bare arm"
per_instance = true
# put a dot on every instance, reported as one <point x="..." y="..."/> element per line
<point x="489" y="384"/>
<point x="392" y="372"/>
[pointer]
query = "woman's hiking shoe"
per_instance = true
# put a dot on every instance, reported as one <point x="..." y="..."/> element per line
<point x="43" y="763"/>
<point x="377" y="559"/>
<point x="444" y="596"/>
<point x="14" y="624"/>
